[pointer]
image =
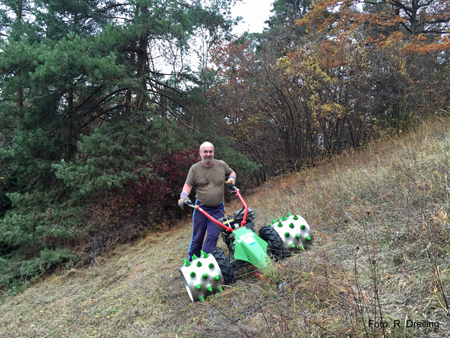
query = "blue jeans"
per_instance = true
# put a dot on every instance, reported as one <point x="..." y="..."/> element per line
<point x="201" y="225"/>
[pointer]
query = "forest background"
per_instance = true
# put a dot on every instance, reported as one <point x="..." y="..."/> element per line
<point x="103" y="105"/>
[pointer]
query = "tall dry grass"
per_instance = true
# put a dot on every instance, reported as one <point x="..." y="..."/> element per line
<point x="380" y="218"/>
<point x="381" y="255"/>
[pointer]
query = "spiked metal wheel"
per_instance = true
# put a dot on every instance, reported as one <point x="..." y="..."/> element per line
<point x="202" y="277"/>
<point x="294" y="232"/>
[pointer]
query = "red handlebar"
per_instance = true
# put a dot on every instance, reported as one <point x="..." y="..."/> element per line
<point x="213" y="219"/>
<point x="229" y="229"/>
<point x="238" y="194"/>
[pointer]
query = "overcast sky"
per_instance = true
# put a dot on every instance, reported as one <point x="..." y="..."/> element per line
<point x="254" y="12"/>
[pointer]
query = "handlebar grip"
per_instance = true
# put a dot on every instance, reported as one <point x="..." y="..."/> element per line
<point x="189" y="203"/>
<point x="231" y="186"/>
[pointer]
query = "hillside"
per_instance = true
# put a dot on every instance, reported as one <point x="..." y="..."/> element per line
<point x="380" y="264"/>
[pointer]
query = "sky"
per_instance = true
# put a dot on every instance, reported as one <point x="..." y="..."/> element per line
<point x="254" y="12"/>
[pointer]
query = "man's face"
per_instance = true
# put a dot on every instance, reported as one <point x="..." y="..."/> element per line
<point x="207" y="154"/>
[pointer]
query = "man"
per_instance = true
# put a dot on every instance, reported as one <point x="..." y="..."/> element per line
<point x="208" y="177"/>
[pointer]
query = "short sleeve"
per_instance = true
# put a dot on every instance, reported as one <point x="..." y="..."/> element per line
<point x="190" y="177"/>
<point x="228" y="170"/>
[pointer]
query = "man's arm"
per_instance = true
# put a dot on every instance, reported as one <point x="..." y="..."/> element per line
<point x="232" y="178"/>
<point x="184" y="194"/>
<point x="187" y="189"/>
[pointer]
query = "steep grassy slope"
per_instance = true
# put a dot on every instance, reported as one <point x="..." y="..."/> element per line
<point x="380" y="264"/>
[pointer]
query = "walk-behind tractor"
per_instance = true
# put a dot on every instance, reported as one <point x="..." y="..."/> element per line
<point x="207" y="274"/>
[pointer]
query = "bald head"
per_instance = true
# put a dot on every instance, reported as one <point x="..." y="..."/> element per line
<point x="208" y="144"/>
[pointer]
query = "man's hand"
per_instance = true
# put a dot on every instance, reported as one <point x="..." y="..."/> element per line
<point x="183" y="198"/>
<point x="231" y="180"/>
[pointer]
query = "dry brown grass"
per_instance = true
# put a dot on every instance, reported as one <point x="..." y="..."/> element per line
<point x="380" y="220"/>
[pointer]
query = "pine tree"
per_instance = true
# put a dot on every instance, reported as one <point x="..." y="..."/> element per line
<point x="93" y="99"/>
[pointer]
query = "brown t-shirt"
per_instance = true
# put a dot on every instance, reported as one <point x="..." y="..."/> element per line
<point x="209" y="181"/>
